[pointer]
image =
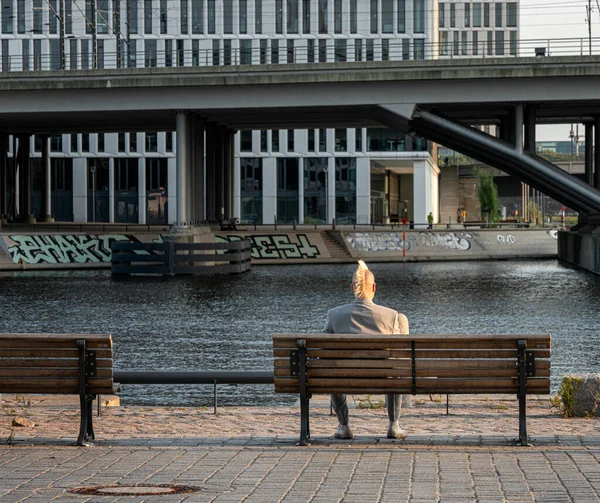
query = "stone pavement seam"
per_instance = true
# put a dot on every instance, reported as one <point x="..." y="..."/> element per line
<point x="385" y="476"/>
<point x="295" y="479"/>
<point x="264" y="476"/>
<point x="322" y="480"/>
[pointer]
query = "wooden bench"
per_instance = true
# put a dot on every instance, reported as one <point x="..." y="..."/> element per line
<point x="58" y="364"/>
<point x="311" y="364"/>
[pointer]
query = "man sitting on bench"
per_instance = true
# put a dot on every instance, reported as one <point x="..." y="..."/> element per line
<point x="363" y="316"/>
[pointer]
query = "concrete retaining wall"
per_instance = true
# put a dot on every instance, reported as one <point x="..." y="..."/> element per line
<point x="452" y="245"/>
<point x="581" y="250"/>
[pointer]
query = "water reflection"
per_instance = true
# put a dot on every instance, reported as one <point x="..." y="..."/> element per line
<point x="226" y="323"/>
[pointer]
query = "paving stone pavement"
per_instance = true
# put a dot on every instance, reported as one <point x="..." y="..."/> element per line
<point x="150" y="448"/>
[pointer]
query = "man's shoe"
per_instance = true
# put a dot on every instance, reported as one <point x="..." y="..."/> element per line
<point x="344" y="432"/>
<point x="394" y="431"/>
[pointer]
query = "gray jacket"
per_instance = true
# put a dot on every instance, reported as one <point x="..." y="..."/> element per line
<point x="363" y="316"/>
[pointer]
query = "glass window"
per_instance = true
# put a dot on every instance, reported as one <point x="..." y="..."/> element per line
<point x="370" y="49"/>
<point x="374" y="17"/>
<point x="306" y="16"/>
<point x="132" y="142"/>
<point x="132" y="18"/>
<point x="180" y="52"/>
<point x="274" y="52"/>
<point x="310" y="50"/>
<point x="216" y="52"/>
<point x="100" y="53"/>
<point x="99" y="142"/>
<point x="419" y="48"/>
<point x="156" y="190"/>
<point x="287" y="190"/>
<point x="163" y="17"/>
<point x="443" y="36"/>
<point x="56" y="143"/>
<point x="243" y="15"/>
<point x="511" y="14"/>
<point x="290" y="140"/>
<point x="264" y="47"/>
<point x="499" y="15"/>
<point x="120" y="142"/>
<point x="475" y="43"/>
<point x="323" y="18"/>
<point x="486" y="15"/>
<point x="401" y="16"/>
<point x="126" y="174"/>
<point x="148" y="16"/>
<point x="358" y="140"/>
<point x="246" y="141"/>
<point x="275" y="140"/>
<point x="195" y="52"/>
<point x="358" y="49"/>
<point x="228" y="17"/>
<point x="337" y="16"/>
<point x="311" y="140"/>
<point x="85" y="142"/>
<point x="74" y="146"/>
<point x="442" y="15"/>
<point x="150" y="53"/>
<point x="7" y="16"/>
<point x="197" y="17"/>
<point x="68" y="16"/>
<point x="103" y="15"/>
<point x="345" y="189"/>
<point x="385" y="140"/>
<point x="405" y="48"/>
<point x="132" y="52"/>
<point x="258" y="16"/>
<point x="455" y="44"/>
<point x="490" y="43"/>
<point x="499" y="43"/>
<point x="341" y="140"/>
<point x="290" y="51"/>
<point x="385" y="49"/>
<point x="315" y="184"/>
<point x="264" y="141"/>
<point x="151" y="142"/>
<point x="322" y="50"/>
<point x="25" y="54"/>
<point x="212" y="17"/>
<point x="245" y="52"/>
<point x="452" y="15"/>
<point x="85" y="54"/>
<point x="183" y="17"/>
<point x="279" y="16"/>
<point x="292" y="16"/>
<point x="37" y="16"/>
<point x="322" y="140"/>
<point x="477" y="15"/>
<point x="513" y="43"/>
<point x="353" y="16"/>
<point x="387" y="16"/>
<point x="21" y="16"/>
<point x="463" y="43"/>
<point x="467" y="15"/>
<point x="340" y="50"/>
<point x="169" y="52"/>
<point x="251" y="190"/>
<point x="419" y="16"/>
<point x="227" y="52"/>
<point x="73" y="54"/>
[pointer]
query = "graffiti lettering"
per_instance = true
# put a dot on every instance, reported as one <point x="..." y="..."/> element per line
<point x="447" y="240"/>
<point x="277" y="246"/>
<point x="375" y="242"/>
<point x="553" y="233"/>
<point x="64" y="249"/>
<point x="508" y="239"/>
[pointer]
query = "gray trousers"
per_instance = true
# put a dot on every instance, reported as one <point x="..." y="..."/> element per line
<point x="340" y="406"/>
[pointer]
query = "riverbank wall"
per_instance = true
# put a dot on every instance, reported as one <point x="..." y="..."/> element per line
<point x="90" y="248"/>
<point x="580" y="250"/>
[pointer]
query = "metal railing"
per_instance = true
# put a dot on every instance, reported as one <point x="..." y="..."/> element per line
<point x="175" y="377"/>
<point x="355" y="50"/>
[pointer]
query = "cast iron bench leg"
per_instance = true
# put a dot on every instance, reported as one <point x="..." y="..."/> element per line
<point x="86" y="430"/>
<point x="522" y="393"/>
<point x="304" y="396"/>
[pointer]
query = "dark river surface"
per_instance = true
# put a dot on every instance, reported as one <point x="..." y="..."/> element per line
<point x="226" y="323"/>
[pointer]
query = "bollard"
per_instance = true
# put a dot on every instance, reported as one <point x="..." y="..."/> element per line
<point x="294" y="224"/>
<point x="333" y="224"/>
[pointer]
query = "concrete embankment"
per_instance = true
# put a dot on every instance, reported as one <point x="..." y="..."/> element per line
<point x="90" y="249"/>
<point x="581" y="250"/>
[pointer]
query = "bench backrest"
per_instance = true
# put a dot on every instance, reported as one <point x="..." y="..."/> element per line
<point x="412" y="364"/>
<point x="49" y="363"/>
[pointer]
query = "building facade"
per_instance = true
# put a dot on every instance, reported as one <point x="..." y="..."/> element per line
<point x="308" y="176"/>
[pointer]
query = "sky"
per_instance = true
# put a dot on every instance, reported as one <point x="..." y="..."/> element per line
<point x="542" y="23"/>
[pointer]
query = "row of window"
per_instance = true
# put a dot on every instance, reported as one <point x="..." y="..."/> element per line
<point x="378" y="140"/>
<point x="199" y="16"/>
<point x="492" y="45"/>
<point x="477" y="18"/>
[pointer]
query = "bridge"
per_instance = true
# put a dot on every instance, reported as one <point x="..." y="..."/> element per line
<point x="438" y="99"/>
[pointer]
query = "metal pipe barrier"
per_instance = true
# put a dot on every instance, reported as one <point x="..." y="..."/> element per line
<point x="206" y="377"/>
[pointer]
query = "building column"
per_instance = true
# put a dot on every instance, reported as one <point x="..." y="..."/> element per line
<point x="301" y="190"/>
<point x="80" y="192"/>
<point x="363" y="190"/>
<point x="25" y="178"/>
<point x="46" y="166"/>
<point x="589" y="153"/>
<point x="211" y="213"/>
<point x="421" y="193"/>
<point x="142" y="205"/>
<point x="237" y="189"/>
<point x="330" y="189"/>
<point x="518" y="127"/>
<point x="596" y="152"/>
<point x="269" y="190"/>
<point x="181" y="124"/>
<point x="111" y="190"/>
<point x="3" y="175"/>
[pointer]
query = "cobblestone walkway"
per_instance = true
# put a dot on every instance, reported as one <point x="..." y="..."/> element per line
<point x="249" y="454"/>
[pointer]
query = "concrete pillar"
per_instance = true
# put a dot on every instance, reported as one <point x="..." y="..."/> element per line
<point x="421" y="192"/>
<point x="231" y="184"/>
<point x="198" y="213"/>
<point x="111" y="190"/>
<point x="181" y="124"/>
<point x="190" y="195"/>
<point x="301" y="190"/>
<point x="518" y="127"/>
<point x="530" y="119"/>
<point x="80" y="181"/>
<point x="597" y="152"/>
<point x="25" y="178"/>
<point x="228" y="144"/>
<point x="142" y="205"/>
<point x="220" y="173"/>
<point x="211" y="213"/>
<point x="269" y="190"/>
<point x="3" y="175"/>
<point x="47" y="195"/>
<point x="589" y="153"/>
<point x="171" y="189"/>
<point x="237" y="189"/>
<point x="330" y="188"/>
<point x="363" y="190"/>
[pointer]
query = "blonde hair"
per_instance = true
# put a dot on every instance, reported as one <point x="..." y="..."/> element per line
<point x="363" y="281"/>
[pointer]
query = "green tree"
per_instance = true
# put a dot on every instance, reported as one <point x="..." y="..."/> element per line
<point x="487" y="192"/>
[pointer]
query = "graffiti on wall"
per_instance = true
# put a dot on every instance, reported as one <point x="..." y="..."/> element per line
<point x="379" y="241"/>
<point x="446" y="240"/>
<point x="63" y="248"/>
<point x="277" y="246"/>
<point x="508" y="239"/>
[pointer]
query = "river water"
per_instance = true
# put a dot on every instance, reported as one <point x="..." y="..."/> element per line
<point x="226" y="323"/>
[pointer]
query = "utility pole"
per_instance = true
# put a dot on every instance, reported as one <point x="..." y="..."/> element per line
<point x="589" y="20"/>
<point x="62" y="21"/>
<point x="94" y="6"/>
<point x="117" y="29"/>
<point x="129" y="59"/>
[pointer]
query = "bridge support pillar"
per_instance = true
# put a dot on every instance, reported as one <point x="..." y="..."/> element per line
<point x="596" y="152"/>
<point x="229" y="153"/>
<point x="589" y="153"/>
<point x="182" y="170"/>
<point x="47" y="197"/>
<point x="197" y="198"/>
<point x="3" y="176"/>
<point x="529" y="138"/>
<point x="518" y="127"/>
<point x="220" y="163"/>
<point x="25" y="181"/>
<point x="211" y="132"/>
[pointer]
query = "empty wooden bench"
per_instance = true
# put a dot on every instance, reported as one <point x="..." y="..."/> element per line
<point x="61" y="364"/>
<point x="311" y="364"/>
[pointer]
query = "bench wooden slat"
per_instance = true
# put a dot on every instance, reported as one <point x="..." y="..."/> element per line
<point x="49" y="362"/>
<point x="407" y="372"/>
<point x="49" y="372"/>
<point x="60" y="385"/>
<point x="50" y="353"/>
<point x="96" y="339"/>
<point x="406" y="344"/>
<point x="420" y="353"/>
<point x="49" y="344"/>
<point x="407" y="391"/>
<point x="531" y="338"/>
